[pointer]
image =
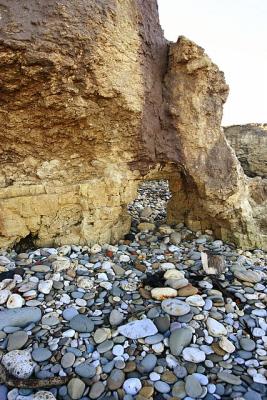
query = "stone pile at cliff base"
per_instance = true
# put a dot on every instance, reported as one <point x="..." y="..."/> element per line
<point x="137" y="320"/>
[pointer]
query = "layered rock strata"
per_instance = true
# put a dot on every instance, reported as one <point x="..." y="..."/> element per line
<point x="93" y="101"/>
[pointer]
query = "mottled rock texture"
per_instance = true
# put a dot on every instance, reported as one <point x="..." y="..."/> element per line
<point x="93" y="101"/>
<point x="250" y="144"/>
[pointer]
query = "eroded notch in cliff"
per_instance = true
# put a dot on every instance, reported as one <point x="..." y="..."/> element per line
<point x="151" y="202"/>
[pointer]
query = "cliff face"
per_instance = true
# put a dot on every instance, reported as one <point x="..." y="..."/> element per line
<point x="93" y="101"/>
<point x="250" y="144"/>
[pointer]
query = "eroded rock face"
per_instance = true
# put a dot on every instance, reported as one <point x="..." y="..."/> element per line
<point x="250" y="144"/>
<point x="93" y="101"/>
<point x="216" y="193"/>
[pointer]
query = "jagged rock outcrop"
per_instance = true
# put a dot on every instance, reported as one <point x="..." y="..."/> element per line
<point x="93" y="101"/>
<point x="250" y="145"/>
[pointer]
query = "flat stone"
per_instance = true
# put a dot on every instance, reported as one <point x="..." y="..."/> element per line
<point x="226" y="345"/>
<point x="19" y="363"/>
<point x="188" y="290"/>
<point x="115" y="318"/>
<point x="178" y="390"/>
<point x="259" y="378"/>
<point x="101" y="334"/>
<point x="148" y="363"/>
<point x="43" y="395"/>
<point x="175" y="307"/>
<point x="215" y="328"/>
<point x="41" y="354"/>
<point x="4" y="295"/>
<point x="179" y="339"/>
<point x="229" y="378"/>
<point x="50" y="319"/>
<point x="173" y="274"/>
<point x="162" y="387"/>
<point x="258" y="332"/>
<point x="15" y="301"/>
<point x="247" y="344"/>
<point x="76" y="388"/>
<point x="17" y="340"/>
<point x="175" y="237"/>
<point x="115" y="379"/>
<point x="61" y="264"/>
<point x="145" y="226"/>
<point x="45" y="286"/>
<point x="85" y="370"/>
<point x="163" y="293"/>
<point x="247" y="275"/>
<point x="19" y="317"/>
<point x="176" y="283"/>
<point x="146" y="391"/>
<point x="132" y="386"/>
<point x="3" y="392"/>
<point x="40" y="268"/>
<point x="162" y="323"/>
<point x="69" y="313"/>
<point x="85" y="282"/>
<point x="252" y="395"/>
<point x="169" y="377"/>
<point x="193" y="355"/>
<point x="81" y="323"/>
<point x="195" y="300"/>
<point x="105" y="346"/>
<point x="96" y="390"/>
<point x="138" y="329"/>
<point x="192" y="387"/>
<point x="68" y="360"/>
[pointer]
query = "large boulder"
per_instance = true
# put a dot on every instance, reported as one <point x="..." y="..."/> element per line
<point x="93" y="101"/>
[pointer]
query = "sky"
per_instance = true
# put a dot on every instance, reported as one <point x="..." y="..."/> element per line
<point x="234" y="35"/>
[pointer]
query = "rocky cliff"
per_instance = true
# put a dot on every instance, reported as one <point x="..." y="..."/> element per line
<point x="250" y="144"/>
<point x="94" y="101"/>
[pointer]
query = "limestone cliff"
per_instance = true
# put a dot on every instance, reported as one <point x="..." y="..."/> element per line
<point x="250" y="144"/>
<point x="93" y="101"/>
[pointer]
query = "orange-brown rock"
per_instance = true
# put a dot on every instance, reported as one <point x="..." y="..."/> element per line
<point x="93" y="101"/>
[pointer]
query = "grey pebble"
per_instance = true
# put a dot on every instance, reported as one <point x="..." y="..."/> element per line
<point x="67" y="360"/>
<point x="41" y="354"/>
<point x="192" y="386"/>
<point x="162" y="387"/>
<point x="85" y="370"/>
<point x="81" y="323"/>
<point x="17" y="340"/>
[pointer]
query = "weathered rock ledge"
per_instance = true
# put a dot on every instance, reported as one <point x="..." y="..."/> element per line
<point x="93" y="101"/>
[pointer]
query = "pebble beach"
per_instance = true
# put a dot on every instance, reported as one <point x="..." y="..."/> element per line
<point x="140" y="319"/>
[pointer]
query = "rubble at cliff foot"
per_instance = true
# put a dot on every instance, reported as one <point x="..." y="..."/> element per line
<point x="137" y="320"/>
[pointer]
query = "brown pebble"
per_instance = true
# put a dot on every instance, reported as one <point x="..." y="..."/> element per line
<point x="168" y="377"/>
<point x="145" y="293"/>
<point x="140" y="397"/>
<point x="217" y="349"/>
<point x="130" y="366"/>
<point x="188" y="290"/>
<point x="140" y="267"/>
<point x="147" y="391"/>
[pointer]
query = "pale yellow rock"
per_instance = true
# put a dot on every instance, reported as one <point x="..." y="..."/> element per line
<point x="226" y="345"/>
<point x="173" y="274"/>
<point x="163" y="293"/>
<point x="146" y="226"/>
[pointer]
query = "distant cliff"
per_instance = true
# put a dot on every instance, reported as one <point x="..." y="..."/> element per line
<point x="250" y="144"/>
